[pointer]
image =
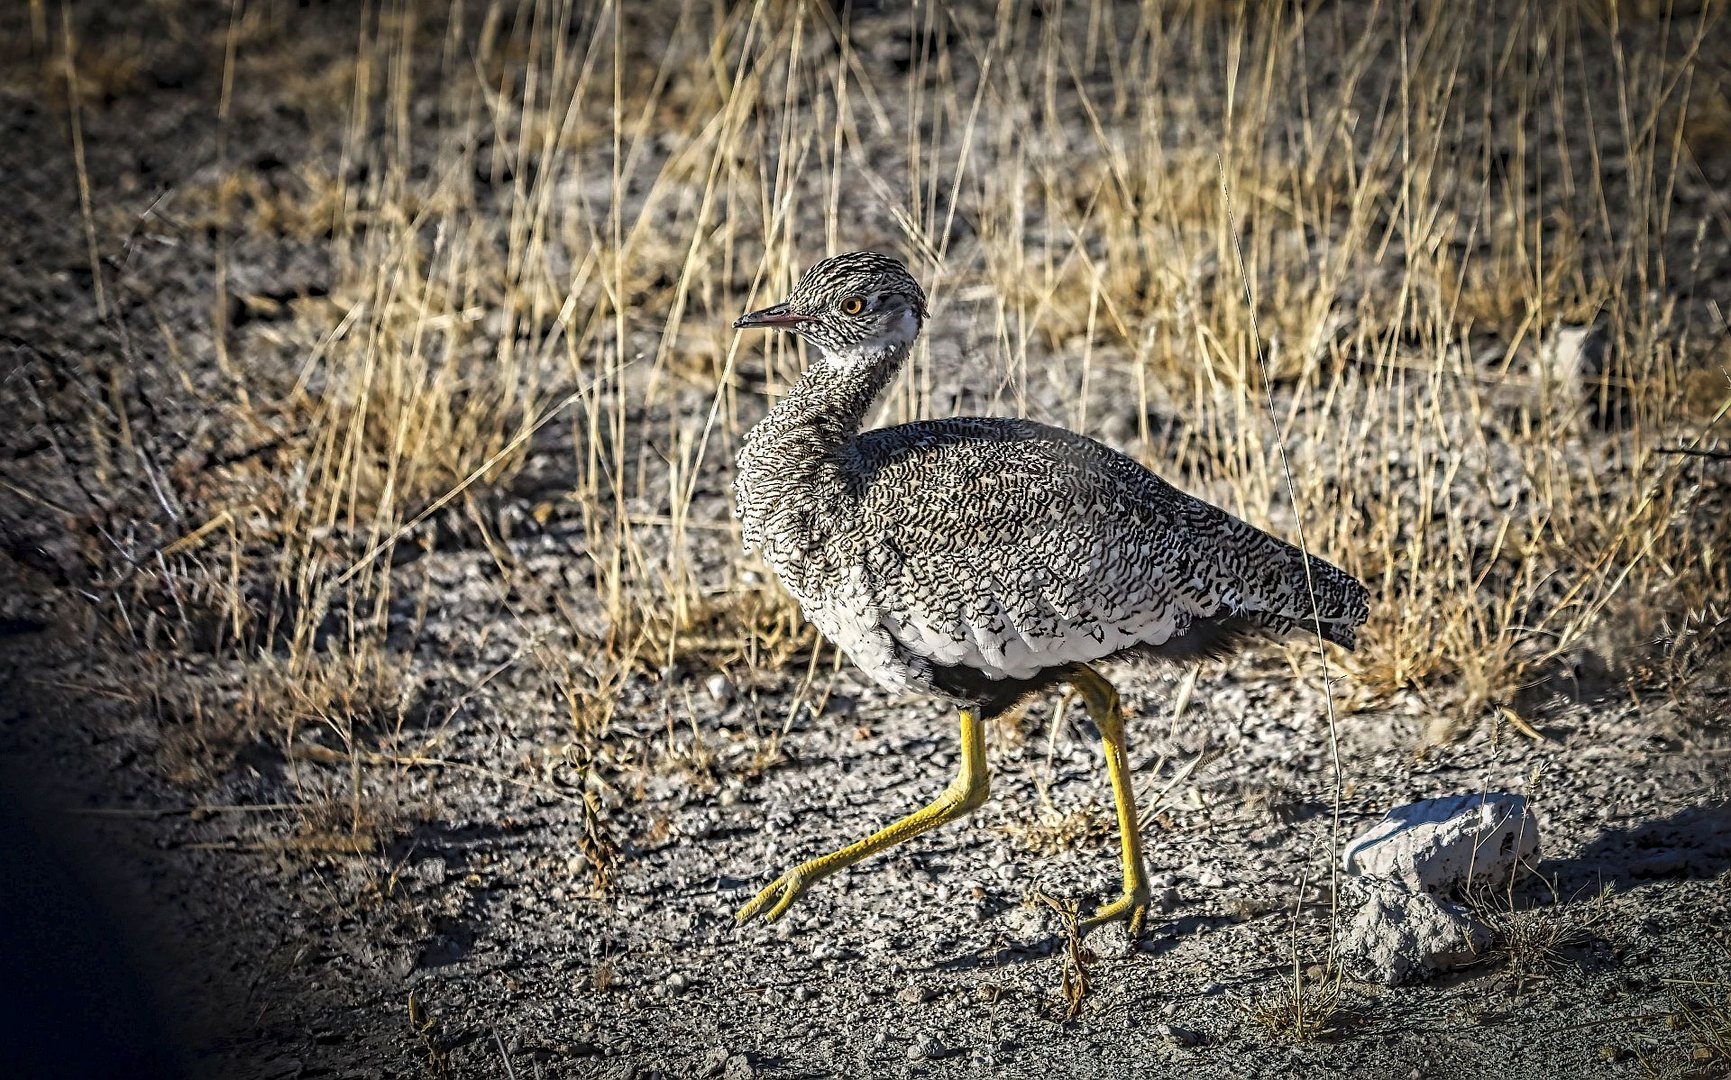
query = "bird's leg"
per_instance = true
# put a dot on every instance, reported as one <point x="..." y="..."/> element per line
<point x="966" y="792"/>
<point x="1102" y="702"/>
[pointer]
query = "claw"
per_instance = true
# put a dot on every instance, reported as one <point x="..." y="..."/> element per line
<point x="1132" y="908"/>
<point x="772" y="903"/>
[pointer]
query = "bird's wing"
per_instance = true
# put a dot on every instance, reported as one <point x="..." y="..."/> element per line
<point x="1011" y="547"/>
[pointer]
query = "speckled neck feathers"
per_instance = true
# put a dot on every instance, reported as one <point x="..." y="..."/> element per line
<point x="797" y="450"/>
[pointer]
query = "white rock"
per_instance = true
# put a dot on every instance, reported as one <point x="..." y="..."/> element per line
<point x="1439" y="845"/>
<point x="1401" y="935"/>
<point x="718" y="687"/>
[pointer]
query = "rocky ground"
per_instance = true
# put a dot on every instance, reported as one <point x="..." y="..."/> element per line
<point x="487" y="924"/>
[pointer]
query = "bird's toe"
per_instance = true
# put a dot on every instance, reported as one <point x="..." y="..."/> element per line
<point x="772" y="903"/>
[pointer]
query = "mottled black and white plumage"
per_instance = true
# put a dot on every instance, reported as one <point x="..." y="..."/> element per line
<point x="981" y="559"/>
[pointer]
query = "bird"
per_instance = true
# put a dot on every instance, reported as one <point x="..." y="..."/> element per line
<point x="982" y="560"/>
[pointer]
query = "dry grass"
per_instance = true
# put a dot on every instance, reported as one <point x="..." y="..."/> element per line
<point x="1073" y="978"/>
<point x="1703" y="1020"/>
<point x="1301" y="1009"/>
<point x="1478" y="285"/>
<point x="1697" y="1043"/>
<point x="1536" y="942"/>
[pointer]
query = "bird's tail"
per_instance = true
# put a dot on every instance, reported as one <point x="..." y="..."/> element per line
<point x="1341" y="607"/>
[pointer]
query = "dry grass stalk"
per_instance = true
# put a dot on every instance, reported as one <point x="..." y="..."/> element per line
<point x="1302" y="1009"/>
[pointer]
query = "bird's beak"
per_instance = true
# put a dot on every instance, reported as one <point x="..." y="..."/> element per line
<point x="772" y="317"/>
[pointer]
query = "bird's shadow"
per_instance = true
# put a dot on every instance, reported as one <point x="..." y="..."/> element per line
<point x="1008" y="954"/>
<point x="1693" y="843"/>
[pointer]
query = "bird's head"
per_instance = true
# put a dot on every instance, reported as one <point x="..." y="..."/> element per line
<point x="853" y="306"/>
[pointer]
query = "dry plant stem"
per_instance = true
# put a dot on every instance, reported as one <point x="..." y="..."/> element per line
<point x="1310" y="586"/>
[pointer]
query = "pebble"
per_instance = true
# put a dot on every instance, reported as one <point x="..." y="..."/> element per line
<point x="718" y="687"/>
<point x="926" y="1048"/>
<point x="1178" y="1036"/>
<point x="713" y="1062"/>
<point x="1167" y="901"/>
<point x="739" y="1068"/>
<point x="1007" y="872"/>
<point x="431" y="870"/>
<point x="677" y="984"/>
<point x="913" y="995"/>
<point x="577" y="865"/>
<point x="803" y="993"/>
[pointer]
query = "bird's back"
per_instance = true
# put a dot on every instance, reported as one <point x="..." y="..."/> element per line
<point x="1011" y="547"/>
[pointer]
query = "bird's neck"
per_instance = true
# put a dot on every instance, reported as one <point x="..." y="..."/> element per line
<point x="793" y="466"/>
<point x="829" y="403"/>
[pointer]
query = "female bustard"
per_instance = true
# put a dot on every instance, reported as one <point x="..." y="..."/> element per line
<point x="982" y="560"/>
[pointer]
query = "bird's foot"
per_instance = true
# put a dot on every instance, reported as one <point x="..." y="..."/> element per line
<point x="1132" y="908"/>
<point x="772" y="903"/>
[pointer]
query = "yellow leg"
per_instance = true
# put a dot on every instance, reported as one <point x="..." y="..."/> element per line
<point x="966" y="792"/>
<point x="1102" y="702"/>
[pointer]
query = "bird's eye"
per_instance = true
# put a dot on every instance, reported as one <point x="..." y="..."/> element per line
<point x="853" y="305"/>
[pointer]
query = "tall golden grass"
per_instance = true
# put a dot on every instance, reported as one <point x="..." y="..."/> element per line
<point x="1473" y="234"/>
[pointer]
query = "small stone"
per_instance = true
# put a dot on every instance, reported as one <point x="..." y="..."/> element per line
<point x="926" y="1048"/>
<point x="713" y="1062"/>
<point x="431" y="870"/>
<point x="738" y="1068"/>
<point x="1167" y="901"/>
<point x="772" y="997"/>
<point x="577" y="865"/>
<point x="718" y="687"/>
<point x="677" y="984"/>
<point x="1213" y="989"/>
<point x="1177" y="1036"/>
<point x="1208" y="879"/>
<point x="913" y="995"/>
<point x="803" y="993"/>
<point x="1007" y="872"/>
